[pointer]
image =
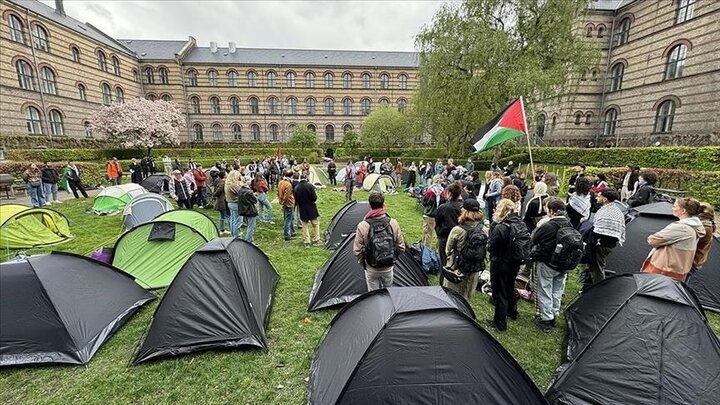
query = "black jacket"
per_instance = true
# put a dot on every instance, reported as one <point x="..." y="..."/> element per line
<point x="49" y="175"/>
<point x="305" y="198"/>
<point x="531" y="212"/>
<point x="642" y="195"/>
<point x="447" y="217"/>
<point x="543" y="238"/>
<point x="500" y="238"/>
<point x="247" y="203"/>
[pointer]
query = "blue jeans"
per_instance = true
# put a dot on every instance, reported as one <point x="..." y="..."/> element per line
<point x="250" y="232"/>
<point x="36" y="195"/>
<point x="288" y="214"/>
<point x="550" y="289"/>
<point x="50" y="189"/>
<point x="265" y="208"/>
<point x="224" y="216"/>
<point x="234" y="224"/>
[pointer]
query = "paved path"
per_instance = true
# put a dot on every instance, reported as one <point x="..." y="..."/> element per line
<point x="23" y="199"/>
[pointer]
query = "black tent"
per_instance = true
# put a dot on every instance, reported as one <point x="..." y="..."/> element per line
<point x="344" y="222"/>
<point x="629" y="258"/>
<point x="157" y="183"/>
<point x="220" y="299"/>
<point x="341" y="279"/>
<point x="638" y="339"/>
<point x="416" y="345"/>
<point x="60" y="308"/>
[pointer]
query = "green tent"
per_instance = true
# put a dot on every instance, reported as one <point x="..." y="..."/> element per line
<point x="154" y="252"/>
<point x="24" y="227"/>
<point x="112" y="200"/>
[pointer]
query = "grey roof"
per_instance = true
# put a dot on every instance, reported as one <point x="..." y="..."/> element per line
<point x="611" y="5"/>
<point x="303" y="57"/>
<point x="152" y="49"/>
<point x="71" y="23"/>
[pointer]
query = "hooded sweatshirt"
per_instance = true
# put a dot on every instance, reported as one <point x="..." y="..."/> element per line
<point x="674" y="248"/>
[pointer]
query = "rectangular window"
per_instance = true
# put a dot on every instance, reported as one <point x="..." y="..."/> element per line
<point x="685" y="10"/>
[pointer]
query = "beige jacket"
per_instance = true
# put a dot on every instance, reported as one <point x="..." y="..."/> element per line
<point x="674" y="248"/>
<point x="455" y="242"/>
<point x="361" y="240"/>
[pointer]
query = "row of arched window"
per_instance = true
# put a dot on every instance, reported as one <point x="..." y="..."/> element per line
<point x="684" y="10"/>
<point x="675" y="58"/>
<point x="291" y="79"/>
<point x="272" y="134"/>
<point x="273" y="105"/>
<point x="34" y="121"/>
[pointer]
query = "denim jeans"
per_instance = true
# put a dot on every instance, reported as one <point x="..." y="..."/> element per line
<point x="250" y="232"/>
<point x="550" y="289"/>
<point x="224" y="216"/>
<point x="288" y="214"/>
<point x="50" y="189"/>
<point x="36" y="195"/>
<point x="234" y="224"/>
<point x="265" y="208"/>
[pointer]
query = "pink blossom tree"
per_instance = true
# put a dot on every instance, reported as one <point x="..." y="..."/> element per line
<point x="140" y="123"/>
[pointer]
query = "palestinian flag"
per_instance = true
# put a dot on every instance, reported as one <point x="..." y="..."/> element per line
<point x="509" y="124"/>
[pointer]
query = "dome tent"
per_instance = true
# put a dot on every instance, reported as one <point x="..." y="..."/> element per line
<point x="379" y="182"/>
<point x="157" y="183"/>
<point x="415" y="345"/>
<point x="344" y="222"/>
<point x="144" y="208"/>
<point x="24" y="227"/>
<point x="112" y="200"/>
<point x="61" y="308"/>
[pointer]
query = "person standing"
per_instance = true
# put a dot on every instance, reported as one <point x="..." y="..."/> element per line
<point x="50" y="178"/>
<point x="644" y="190"/>
<point x="167" y="165"/>
<point x="232" y="188"/>
<point x="535" y="208"/>
<point x="332" y="172"/>
<point x="305" y="198"/>
<point x="628" y="184"/>
<point x="608" y="232"/>
<point x="349" y="180"/>
<point x="446" y="219"/>
<point x="33" y="177"/>
<point x="378" y="243"/>
<point x="260" y="186"/>
<point x="180" y="190"/>
<point x="470" y="222"/>
<point x="397" y="173"/>
<point x="287" y="201"/>
<point x="200" y="178"/>
<point x="412" y="175"/>
<point x="580" y="202"/>
<point x="74" y="179"/>
<point x="145" y="166"/>
<point x="702" y="252"/>
<point x="470" y="166"/>
<point x="135" y="172"/>
<point x="221" y="203"/>
<point x="247" y="209"/>
<point x="432" y="198"/>
<point x="428" y="174"/>
<point x="579" y="172"/>
<point x="492" y="196"/>
<point x="113" y="172"/>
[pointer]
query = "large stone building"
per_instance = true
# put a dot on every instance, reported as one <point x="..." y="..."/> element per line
<point x="56" y="71"/>
<point x="657" y="80"/>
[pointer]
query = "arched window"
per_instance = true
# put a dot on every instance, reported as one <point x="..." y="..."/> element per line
<point x="309" y="79"/>
<point x="384" y="102"/>
<point x="675" y="62"/>
<point x="402" y="81"/>
<point x="274" y="132"/>
<point x="540" y="128"/>
<point x="120" y="95"/>
<point x="366" y="80"/>
<point x="329" y="106"/>
<point x="553" y="123"/>
<point x="310" y="105"/>
<point x="213" y="78"/>
<point x="347" y="106"/>
<point x="40" y="38"/>
<point x="75" y="54"/>
<point x="617" y="76"/>
<point x="16" y="29"/>
<point x="56" y="123"/>
<point x="271" y="79"/>
<point x="593" y="75"/>
<point x="254" y="105"/>
<point x="149" y="75"/>
<point x="347" y="128"/>
<point x="292" y="105"/>
<point x="312" y="127"/>
<point x="600" y="31"/>
<point x="214" y="105"/>
<point x="255" y="132"/>
<point x="583" y="75"/>
<point x="623" y="34"/>
<point x="365" y="106"/>
<point x="685" y="10"/>
<point x="25" y="75"/>
<point x="217" y="132"/>
<point x="588" y="117"/>
<point x="115" y="65"/>
<point x="252" y="79"/>
<point x="578" y="117"/>
<point x="195" y="104"/>
<point x="163" y="75"/>
<point x="106" y="94"/>
<point x="328" y="80"/>
<point x="665" y="116"/>
<point x="329" y="133"/>
<point x="610" y="122"/>
<point x="102" y="60"/>
<point x="236" y="132"/>
<point x="273" y="106"/>
<point x="192" y="76"/>
<point x="290" y="79"/>
<point x="234" y="105"/>
<point x="166" y="98"/>
<point x="151" y="97"/>
<point x="88" y="129"/>
<point x="347" y="80"/>
<point x="402" y="105"/>
<point x="384" y="81"/>
<point x="291" y="129"/>
<point x="33" y="121"/>
<point x="135" y="76"/>
<point x="589" y="30"/>
<point x="82" y="93"/>
<point x="232" y="78"/>
<point x="198" y="132"/>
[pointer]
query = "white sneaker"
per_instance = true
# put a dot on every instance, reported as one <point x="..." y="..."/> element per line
<point x="57" y="202"/>
<point x="48" y="203"/>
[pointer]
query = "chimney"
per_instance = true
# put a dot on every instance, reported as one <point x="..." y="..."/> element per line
<point x="59" y="7"/>
<point x="213" y="47"/>
<point x="231" y="47"/>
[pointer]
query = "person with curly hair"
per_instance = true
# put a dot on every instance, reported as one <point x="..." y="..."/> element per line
<point x="512" y="193"/>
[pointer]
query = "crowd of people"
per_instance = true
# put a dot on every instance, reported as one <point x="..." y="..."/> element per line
<point x="42" y="183"/>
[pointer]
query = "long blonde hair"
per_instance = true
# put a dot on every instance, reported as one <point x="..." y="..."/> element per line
<point x="504" y="208"/>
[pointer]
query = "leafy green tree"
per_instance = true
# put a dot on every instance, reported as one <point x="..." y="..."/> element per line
<point x="351" y="141"/>
<point x="386" y="128"/>
<point x="303" y="138"/>
<point x="479" y="55"/>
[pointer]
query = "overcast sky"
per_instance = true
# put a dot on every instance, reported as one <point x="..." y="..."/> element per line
<point x="357" y="25"/>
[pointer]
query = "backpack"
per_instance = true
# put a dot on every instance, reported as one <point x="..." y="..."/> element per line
<point x="569" y="249"/>
<point x="520" y="244"/>
<point x="380" y="250"/>
<point x="471" y="257"/>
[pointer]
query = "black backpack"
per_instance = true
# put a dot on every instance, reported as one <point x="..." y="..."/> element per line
<point x="380" y="249"/>
<point x="569" y="249"/>
<point x="520" y="244"/>
<point x="471" y="257"/>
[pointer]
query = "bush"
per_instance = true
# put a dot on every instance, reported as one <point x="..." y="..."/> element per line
<point x="93" y="173"/>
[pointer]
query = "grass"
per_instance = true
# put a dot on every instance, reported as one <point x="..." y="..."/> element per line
<point x="244" y="376"/>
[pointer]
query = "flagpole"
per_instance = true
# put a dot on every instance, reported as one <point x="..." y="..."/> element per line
<point x="527" y="134"/>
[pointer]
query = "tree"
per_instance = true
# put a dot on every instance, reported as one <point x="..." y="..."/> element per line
<point x="387" y="128"/>
<point x="479" y="55"/>
<point x="351" y="141"/>
<point x="304" y="138"/>
<point x="140" y="123"/>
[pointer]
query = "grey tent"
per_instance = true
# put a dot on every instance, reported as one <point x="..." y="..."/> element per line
<point x="157" y="183"/>
<point x="60" y="308"/>
<point x="220" y="299"/>
<point x="416" y="345"/>
<point x="341" y="279"/>
<point x="638" y="339"/>
<point x="144" y="208"/>
<point x="344" y="222"/>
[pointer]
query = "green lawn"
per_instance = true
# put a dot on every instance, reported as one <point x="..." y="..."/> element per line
<point x="243" y="376"/>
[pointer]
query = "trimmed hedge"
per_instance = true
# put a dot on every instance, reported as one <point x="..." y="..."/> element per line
<point x="93" y="173"/>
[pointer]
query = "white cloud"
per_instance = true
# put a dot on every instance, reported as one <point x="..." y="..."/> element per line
<point x="370" y="25"/>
